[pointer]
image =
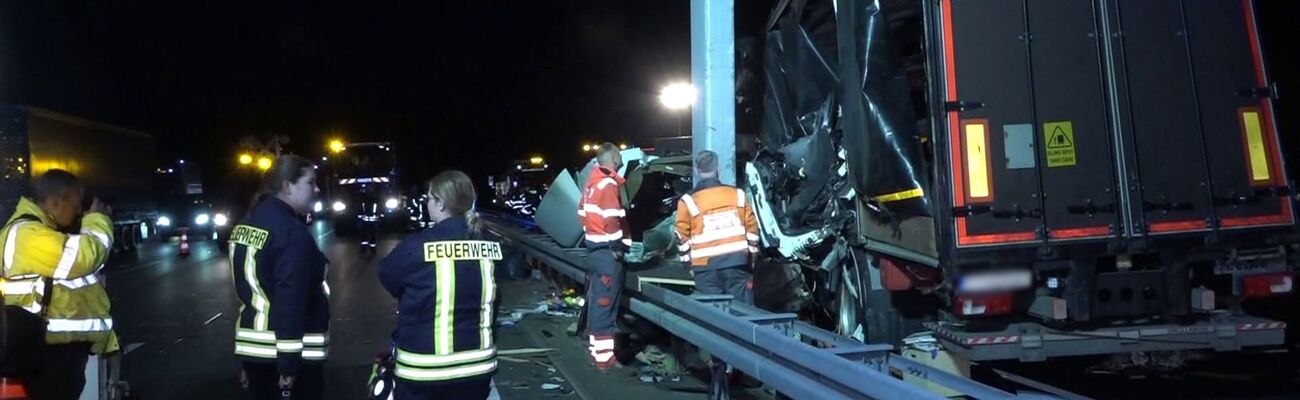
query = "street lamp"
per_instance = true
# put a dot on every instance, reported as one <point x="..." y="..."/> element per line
<point x="336" y="146"/>
<point x="678" y="96"/>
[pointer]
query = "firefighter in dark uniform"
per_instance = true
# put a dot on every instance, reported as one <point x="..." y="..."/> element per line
<point x="368" y="221"/>
<point x="282" y="334"/>
<point x="443" y="278"/>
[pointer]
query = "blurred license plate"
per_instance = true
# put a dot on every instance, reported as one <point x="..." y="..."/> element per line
<point x="1248" y="266"/>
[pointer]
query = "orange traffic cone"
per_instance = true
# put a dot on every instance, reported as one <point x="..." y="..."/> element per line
<point x="12" y="389"/>
<point x="185" y="242"/>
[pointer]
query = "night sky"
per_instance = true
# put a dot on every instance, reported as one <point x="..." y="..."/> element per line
<point x="460" y="84"/>
<point x="468" y="85"/>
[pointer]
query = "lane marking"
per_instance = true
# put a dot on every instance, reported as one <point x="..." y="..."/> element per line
<point x="132" y="347"/>
<point x="214" y="318"/>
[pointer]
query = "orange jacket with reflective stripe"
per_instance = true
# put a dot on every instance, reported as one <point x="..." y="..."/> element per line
<point x="601" y="211"/>
<point x="716" y="227"/>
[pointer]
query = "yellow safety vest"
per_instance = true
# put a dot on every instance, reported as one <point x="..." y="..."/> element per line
<point x="34" y="251"/>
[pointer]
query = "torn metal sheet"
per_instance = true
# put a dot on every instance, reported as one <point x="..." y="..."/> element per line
<point x="557" y="215"/>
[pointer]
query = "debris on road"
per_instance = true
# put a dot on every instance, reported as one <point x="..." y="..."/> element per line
<point x="527" y="351"/>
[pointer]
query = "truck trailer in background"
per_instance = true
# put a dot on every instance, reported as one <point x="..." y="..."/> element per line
<point x="150" y="198"/>
<point x="362" y="172"/>
<point x="117" y="164"/>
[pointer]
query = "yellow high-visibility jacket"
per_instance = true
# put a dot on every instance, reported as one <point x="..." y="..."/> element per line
<point x="34" y="250"/>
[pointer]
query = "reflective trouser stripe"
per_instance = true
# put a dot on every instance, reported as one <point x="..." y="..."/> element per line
<point x="443" y="325"/>
<point x="601" y="348"/>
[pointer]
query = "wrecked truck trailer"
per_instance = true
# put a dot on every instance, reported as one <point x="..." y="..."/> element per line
<point x="1001" y="174"/>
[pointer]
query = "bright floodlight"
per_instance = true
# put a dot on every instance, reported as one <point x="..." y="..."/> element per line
<point x="678" y="96"/>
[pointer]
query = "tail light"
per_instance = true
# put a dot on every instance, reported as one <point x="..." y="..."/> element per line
<point x="982" y="305"/>
<point x="1267" y="284"/>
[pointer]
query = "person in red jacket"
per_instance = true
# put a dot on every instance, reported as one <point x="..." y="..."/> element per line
<point x="606" y="237"/>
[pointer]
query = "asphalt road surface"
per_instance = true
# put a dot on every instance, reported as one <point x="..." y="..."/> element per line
<point x="175" y="316"/>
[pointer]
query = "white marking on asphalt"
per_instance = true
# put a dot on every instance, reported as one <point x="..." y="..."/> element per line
<point x="214" y="318"/>
<point x="139" y="267"/>
<point x="494" y="395"/>
<point x="132" y="347"/>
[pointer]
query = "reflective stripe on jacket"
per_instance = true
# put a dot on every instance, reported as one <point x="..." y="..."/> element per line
<point x="716" y="227"/>
<point x="601" y="211"/>
<point x="445" y="285"/>
<point x="279" y="276"/>
<point x="34" y="250"/>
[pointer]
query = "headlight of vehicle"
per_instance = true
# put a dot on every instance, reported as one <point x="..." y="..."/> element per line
<point x="339" y="206"/>
<point x="392" y="203"/>
<point x="164" y="221"/>
<point x="202" y="219"/>
<point x="219" y="219"/>
<point x="317" y="207"/>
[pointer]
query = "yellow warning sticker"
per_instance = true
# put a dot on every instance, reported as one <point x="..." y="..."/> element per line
<point x="1060" y="144"/>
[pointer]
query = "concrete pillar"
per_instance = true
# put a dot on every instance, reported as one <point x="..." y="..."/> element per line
<point x="713" y="73"/>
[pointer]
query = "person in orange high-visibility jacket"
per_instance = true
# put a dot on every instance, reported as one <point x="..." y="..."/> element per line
<point x="606" y="237"/>
<point x="717" y="233"/>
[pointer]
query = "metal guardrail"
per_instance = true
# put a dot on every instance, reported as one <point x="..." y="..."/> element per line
<point x="795" y="358"/>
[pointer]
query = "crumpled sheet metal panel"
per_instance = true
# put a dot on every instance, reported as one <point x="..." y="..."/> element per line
<point x="803" y="95"/>
<point x="558" y="213"/>
<point x="893" y="159"/>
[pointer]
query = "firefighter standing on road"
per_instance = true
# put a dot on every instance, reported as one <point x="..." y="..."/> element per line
<point x="604" y="225"/>
<point x="717" y="233"/>
<point x="368" y="221"/>
<point x="444" y="280"/>
<point x="282" y="334"/>
<point x="55" y="274"/>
